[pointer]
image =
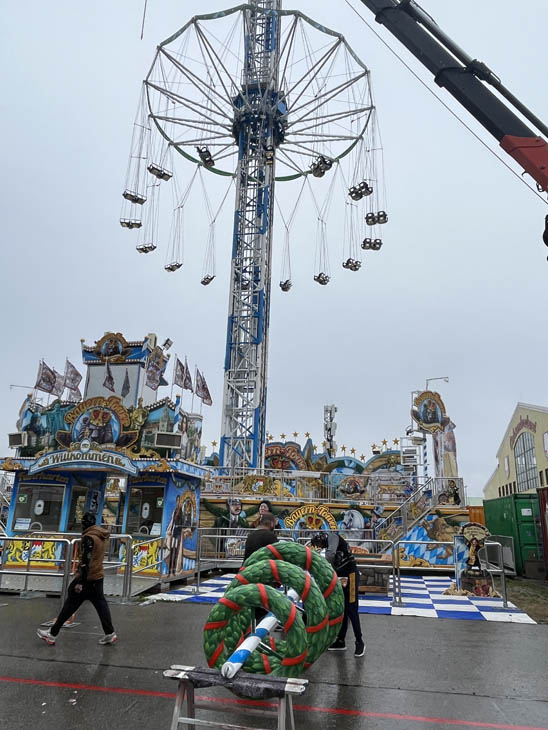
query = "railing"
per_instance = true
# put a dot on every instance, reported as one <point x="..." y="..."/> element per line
<point x="218" y="548"/>
<point x="63" y="561"/>
<point x="492" y="560"/>
<point x="312" y="486"/>
<point x="434" y="543"/>
<point x="433" y="493"/>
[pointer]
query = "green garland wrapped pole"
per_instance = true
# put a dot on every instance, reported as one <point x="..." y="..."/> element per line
<point x="306" y="574"/>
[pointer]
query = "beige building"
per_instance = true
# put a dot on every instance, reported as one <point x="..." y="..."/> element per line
<point x="523" y="454"/>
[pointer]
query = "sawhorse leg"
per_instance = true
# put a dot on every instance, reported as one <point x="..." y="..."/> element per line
<point x="179" y="699"/>
<point x="285" y="708"/>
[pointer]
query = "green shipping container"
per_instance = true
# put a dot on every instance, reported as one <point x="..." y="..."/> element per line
<point x="517" y="516"/>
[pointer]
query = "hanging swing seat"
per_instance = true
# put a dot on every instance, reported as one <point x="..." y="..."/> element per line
<point x="207" y="279"/>
<point x="160" y="172"/>
<point x="173" y="266"/>
<point x="382" y="216"/>
<point x="365" y="189"/>
<point x="134" y="197"/>
<point x="377" y="243"/>
<point x="286" y="285"/>
<point x="130" y="223"/>
<point x="146" y="247"/>
<point x="205" y="157"/>
<point x="320" y="166"/>
<point x="371" y="219"/>
<point x="352" y="264"/>
<point x="322" y="278"/>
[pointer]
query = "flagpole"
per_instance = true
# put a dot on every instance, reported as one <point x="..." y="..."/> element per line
<point x="192" y="404"/>
<point x="173" y="377"/>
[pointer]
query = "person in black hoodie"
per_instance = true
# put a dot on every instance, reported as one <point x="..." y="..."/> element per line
<point x="87" y="584"/>
<point x="339" y="555"/>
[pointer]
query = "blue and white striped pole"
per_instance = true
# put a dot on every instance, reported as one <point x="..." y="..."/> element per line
<point x="235" y="662"/>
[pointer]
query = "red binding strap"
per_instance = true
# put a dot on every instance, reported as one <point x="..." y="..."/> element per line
<point x="317" y="627"/>
<point x="274" y="571"/>
<point x="215" y="655"/>
<point x="274" y="552"/>
<point x="229" y="604"/>
<point x="264" y="597"/>
<point x="291" y="618"/>
<point x="306" y="590"/>
<point x="215" y="625"/>
<point x="331" y="587"/>
<point x="291" y="661"/>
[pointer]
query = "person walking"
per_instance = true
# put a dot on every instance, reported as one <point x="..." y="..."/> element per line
<point x="87" y="584"/>
<point x="338" y="553"/>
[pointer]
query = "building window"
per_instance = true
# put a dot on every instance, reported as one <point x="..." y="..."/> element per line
<point x="38" y="508"/>
<point x="526" y="462"/>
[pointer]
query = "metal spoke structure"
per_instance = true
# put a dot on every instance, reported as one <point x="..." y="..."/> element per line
<point x="276" y="98"/>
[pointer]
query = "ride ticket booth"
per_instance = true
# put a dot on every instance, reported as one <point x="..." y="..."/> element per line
<point x="153" y="499"/>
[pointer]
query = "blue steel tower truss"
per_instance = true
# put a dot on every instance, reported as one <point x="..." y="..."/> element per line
<point x="259" y="124"/>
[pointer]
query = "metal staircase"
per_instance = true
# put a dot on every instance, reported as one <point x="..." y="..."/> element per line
<point x="416" y="507"/>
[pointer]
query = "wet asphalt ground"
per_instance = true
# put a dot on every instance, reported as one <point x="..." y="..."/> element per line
<point x="416" y="673"/>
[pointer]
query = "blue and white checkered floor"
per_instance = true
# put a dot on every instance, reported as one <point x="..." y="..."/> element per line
<point x="422" y="596"/>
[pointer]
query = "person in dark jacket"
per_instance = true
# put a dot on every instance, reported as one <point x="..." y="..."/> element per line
<point x="262" y="535"/>
<point x="338" y="553"/>
<point x="87" y="584"/>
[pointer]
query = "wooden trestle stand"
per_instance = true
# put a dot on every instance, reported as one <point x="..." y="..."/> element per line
<point x="245" y="685"/>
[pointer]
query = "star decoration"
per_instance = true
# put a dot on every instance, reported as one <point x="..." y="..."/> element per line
<point x="314" y="447"/>
<point x="352" y="451"/>
<point x="295" y="434"/>
<point x="214" y="444"/>
<point x="343" y="448"/>
<point x="307" y="434"/>
<point x="362" y="457"/>
<point x="396" y="442"/>
<point x="282" y="436"/>
<point x="373" y="446"/>
<point x="270" y="437"/>
<point x="324" y="444"/>
<point x="384" y="442"/>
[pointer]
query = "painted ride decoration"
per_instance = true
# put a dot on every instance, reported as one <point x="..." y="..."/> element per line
<point x="119" y="453"/>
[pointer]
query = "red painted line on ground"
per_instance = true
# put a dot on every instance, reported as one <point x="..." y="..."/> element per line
<point x="262" y="703"/>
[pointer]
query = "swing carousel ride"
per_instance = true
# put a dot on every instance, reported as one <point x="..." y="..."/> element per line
<point x="252" y="96"/>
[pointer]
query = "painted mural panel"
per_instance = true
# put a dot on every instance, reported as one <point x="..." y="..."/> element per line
<point x="181" y="518"/>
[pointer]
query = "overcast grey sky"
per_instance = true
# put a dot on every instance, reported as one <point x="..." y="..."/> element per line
<point x="459" y="289"/>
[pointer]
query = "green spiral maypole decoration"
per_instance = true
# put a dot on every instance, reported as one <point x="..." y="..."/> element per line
<point x="286" y="564"/>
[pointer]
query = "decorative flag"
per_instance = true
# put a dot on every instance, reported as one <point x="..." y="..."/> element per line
<point x="108" y="382"/>
<point x="75" y="395"/>
<point x="154" y="368"/>
<point x="72" y="376"/>
<point x="45" y="380"/>
<point x="126" y="386"/>
<point x="179" y="374"/>
<point x="187" y="380"/>
<point x="59" y="386"/>
<point x="202" y="391"/>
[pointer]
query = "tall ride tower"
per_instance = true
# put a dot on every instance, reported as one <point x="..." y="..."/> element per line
<point x="259" y="123"/>
<point x="256" y="94"/>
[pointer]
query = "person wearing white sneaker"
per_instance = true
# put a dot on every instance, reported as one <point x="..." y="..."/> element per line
<point x="87" y="584"/>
